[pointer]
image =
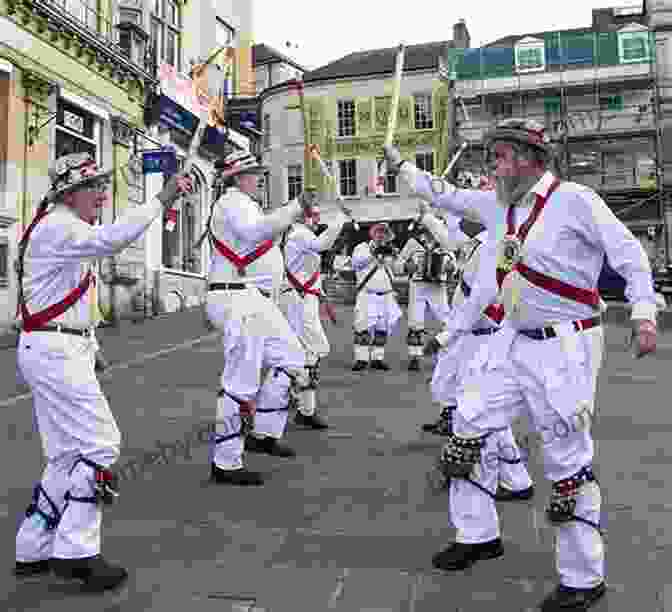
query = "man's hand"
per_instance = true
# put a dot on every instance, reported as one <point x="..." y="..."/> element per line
<point x="392" y="156"/>
<point x="431" y="347"/>
<point x="644" y="336"/>
<point x="178" y="184"/>
<point x="423" y="209"/>
<point x="249" y="408"/>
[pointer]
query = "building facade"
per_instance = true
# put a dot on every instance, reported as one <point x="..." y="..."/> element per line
<point x="597" y="89"/>
<point x="77" y="75"/>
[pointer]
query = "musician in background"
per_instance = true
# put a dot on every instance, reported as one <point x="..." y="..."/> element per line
<point x="376" y="309"/>
<point x="430" y="267"/>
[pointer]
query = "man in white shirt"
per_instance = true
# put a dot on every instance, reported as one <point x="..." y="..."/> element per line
<point x="551" y="238"/>
<point x="376" y="309"/>
<point x="56" y="357"/>
<point x="246" y="270"/>
<point x="467" y="327"/>
<point x="424" y="292"/>
<point x="300" y="302"/>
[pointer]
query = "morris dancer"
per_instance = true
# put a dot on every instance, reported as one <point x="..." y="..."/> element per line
<point x="546" y="356"/>
<point x="467" y="328"/>
<point x="423" y="293"/>
<point x="376" y="309"/>
<point x="56" y="356"/>
<point x="245" y="268"/>
<point x="300" y="302"/>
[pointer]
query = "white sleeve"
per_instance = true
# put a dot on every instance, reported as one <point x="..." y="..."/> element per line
<point x="361" y="257"/>
<point x="84" y="241"/>
<point x="318" y="244"/>
<point x="471" y="204"/>
<point x="265" y="227"/>
<point x="450" y="237"/>
<point x="624" y="252"/>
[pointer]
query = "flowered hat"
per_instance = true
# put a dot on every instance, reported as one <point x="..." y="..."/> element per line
<point x="71" y="171"/>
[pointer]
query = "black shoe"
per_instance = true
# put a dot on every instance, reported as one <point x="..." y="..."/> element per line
<point x="461" y="556"/>
<point x="359" y="366"/>
<point x="508" y="495"/>
<point x="235" y="477"/>
<point x="96" y="573"/>
<point x="23" y="569"/>
<point x="268" y="445"/>
<point x="313" y="421"/>
<point x="414" y="365"/>
<point x="566" y="598"/>
<point x="377" y="364"/>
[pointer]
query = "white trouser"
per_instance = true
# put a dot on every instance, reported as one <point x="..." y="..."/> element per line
<point x="255" y="335"/>
<point x="374" y="313"/>
<point x="74" y="419"/>
<point x="423" y="296"/>
<point x="303" y="315"/>
<point x="555" y="389"/>
<point x="452" y="366"/>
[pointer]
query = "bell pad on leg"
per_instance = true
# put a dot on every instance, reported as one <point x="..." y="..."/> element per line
<point x="105" y="484"/>
<point x="562" y="504"/>
<point x="52" y="520"/>
<point x="246" y="419"/>
<point x="362" y="338"/>
<point x="415" y="337"/>
<point x="460" y="455"/>
<point x="379" y="338"/>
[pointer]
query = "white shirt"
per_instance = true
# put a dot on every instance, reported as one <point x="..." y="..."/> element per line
<point x="363" y="261"/>
<point x="568" y="242"/>
<point x="303" y="249"/>
<point x="61" y="249"/>
<point x="240" y="223"/>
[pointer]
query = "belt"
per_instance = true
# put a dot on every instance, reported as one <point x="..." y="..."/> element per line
<point x="379" y="292"/>
<point x="486" y="331"/>
<point x="88" y="332"/>
<point x="234" y="287"/>
<point x="549" y="332"/>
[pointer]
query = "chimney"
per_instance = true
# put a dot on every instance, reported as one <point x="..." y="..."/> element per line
<point x="461" y="36"/>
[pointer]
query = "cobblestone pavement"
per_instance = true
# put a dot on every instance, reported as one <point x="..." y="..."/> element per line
<point x="349" y="525"/>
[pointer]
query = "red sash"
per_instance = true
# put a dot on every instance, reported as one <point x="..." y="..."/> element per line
<point x="39" y="319"/>
<point x="589" y="297"/>
<point x="242" y="262"/>
<point x="304" y="288"/>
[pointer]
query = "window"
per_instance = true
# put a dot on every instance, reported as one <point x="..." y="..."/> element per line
<point x="529" y="56"/>
<point x="267" y="131"/>
<point x="633" y="46"/>
<point x="294" y="181"/>
<point x="346" y="118"/>
<point x="390" y="182"/>
<point x="611" y="103"/>
<point x="85" y="11"/>
<point x="425" y="161"/>
<point x="552" y="105"/>
<point x="178" y="246"/>
<point x="4" y="267"/>
<point x="348" y="177"/>
<point x="265" y="188"/>
<point x="502" y="110"/>
<point x="77" y="131"/>
<point x="165" y="32"/>
<point x="423" y="112"/>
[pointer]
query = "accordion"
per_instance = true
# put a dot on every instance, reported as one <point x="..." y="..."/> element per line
<point x="438" y="266"/>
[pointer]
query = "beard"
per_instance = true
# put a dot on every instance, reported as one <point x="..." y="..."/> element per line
<point x="510" y="189"/>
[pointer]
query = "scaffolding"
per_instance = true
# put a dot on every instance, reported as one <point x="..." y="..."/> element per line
<point x="578" y="95"/>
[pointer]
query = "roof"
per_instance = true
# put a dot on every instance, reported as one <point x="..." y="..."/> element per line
<point x="511" y="40"/>
<point x="265" y="54"/>
<point x="379" y="61"/>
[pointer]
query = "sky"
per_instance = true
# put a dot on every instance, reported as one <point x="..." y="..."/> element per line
<point x="322" y="31"/>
